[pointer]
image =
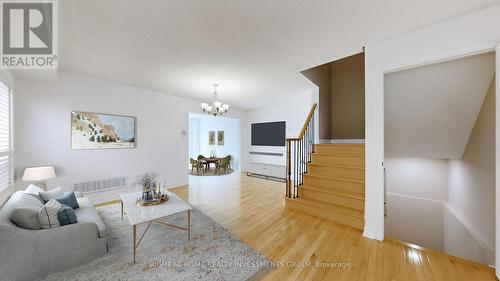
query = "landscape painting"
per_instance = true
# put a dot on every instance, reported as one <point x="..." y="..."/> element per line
<point x="101" y="131"/>
<point x="220" y="138"/>
<point x="211" y="138"/>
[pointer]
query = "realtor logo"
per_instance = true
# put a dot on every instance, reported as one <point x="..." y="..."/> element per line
<point x="29" y="32"/>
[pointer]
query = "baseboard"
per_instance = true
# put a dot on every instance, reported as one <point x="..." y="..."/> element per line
<point x="369" y="233"/>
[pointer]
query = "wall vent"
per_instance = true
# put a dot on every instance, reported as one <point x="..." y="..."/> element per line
<point x="101" y="185"/>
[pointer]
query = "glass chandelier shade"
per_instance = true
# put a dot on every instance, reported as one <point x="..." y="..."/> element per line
<point x="216" y="108"/>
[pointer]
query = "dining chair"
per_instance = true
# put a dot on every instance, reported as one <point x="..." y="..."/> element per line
<point x="205" y="165"/>
<point x="224" y="164"/>
<point x="195" y="164"/>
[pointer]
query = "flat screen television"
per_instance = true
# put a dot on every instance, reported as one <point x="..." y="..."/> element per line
<point x="268" y="134"/>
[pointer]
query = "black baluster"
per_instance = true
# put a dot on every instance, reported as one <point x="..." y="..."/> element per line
<point x="314" y="131"/>
<point x="295" y="169"/>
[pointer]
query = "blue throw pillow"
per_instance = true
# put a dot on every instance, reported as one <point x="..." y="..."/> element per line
<point x="66" y="215"/>
<point x="68" y="199"/>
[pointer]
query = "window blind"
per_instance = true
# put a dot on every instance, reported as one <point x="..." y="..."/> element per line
<point x="5" y="136"/>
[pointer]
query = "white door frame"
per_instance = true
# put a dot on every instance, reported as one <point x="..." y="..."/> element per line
<point x="374" y="143"/>
<point x="497" y="161"/>
<point x="374" y="104"/>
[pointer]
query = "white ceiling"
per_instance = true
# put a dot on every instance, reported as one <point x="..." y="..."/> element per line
<point x="254" y="49"/>
<point x="430" y="111"/>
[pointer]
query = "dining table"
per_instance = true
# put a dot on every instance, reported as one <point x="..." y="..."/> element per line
<point x="211" y="160"/>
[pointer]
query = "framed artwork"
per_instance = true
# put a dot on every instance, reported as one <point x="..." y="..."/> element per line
<point x="211" y="138"/>
<point x="220" y="138"/>
<point x="101" y="131"/>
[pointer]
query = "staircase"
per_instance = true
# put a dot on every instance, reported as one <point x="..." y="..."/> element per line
<point x="326" y="180"/>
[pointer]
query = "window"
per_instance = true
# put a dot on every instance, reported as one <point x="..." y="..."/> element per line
<point x="5" y="137"/>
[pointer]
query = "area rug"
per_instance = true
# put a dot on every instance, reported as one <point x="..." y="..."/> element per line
<point x="209" y="172"/>
<point x="166" y="254"/>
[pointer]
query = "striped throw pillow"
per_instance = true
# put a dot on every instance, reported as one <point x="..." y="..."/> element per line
<point x="48" y="214"/>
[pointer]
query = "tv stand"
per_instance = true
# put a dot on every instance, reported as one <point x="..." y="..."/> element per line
<point x="267" y="171"/>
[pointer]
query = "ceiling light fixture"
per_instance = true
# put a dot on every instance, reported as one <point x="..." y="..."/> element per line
<point x="216" y="108"/>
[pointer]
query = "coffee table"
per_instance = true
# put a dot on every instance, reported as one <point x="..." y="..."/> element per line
<point x="149" y="214"/>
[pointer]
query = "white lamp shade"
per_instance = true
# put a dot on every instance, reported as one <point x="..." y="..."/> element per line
<point x="39" y="173"/>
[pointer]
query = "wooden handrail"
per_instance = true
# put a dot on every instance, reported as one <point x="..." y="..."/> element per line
<point x="308" y="120"/>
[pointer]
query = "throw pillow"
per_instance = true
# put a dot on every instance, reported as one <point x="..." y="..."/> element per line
<point x="48" y="214"/>
<point x="66" y="215"/>
<point x="51" y="194"/>
<point x="33" y="189"/>
<point x="26" y="218"/>
<point x="68" y="199"/>
<point x="29" y="200"/>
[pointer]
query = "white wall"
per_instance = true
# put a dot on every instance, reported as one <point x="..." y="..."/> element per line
<point x="418" y="177"/>
<point x="460" y="242"/>
<point x="42" y="122"/>
<point x="416" y="189"/>
<point x="202" y="124"/>
<point x="455" y="37"/>
<point x="472" y="179"/>
<point x="415" y="220"/>
<point x="293" y="112"/>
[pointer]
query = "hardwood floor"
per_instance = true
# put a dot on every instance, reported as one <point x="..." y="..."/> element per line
<point x="252" y="209"/>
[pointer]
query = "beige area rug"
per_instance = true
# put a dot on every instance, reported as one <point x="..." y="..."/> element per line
<point x="165" y="253"/>
<point x="210" y="172"/>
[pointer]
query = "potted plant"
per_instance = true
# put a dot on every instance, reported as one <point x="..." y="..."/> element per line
<point x="148" y="183"/>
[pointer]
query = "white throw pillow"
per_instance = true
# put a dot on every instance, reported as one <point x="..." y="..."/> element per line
<point x="48" y="214"/>
<point x="51" y="194"/>
<point x="33" y="189"/>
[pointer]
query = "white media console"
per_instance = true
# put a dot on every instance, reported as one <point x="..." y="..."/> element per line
<point x="265" y="170"/>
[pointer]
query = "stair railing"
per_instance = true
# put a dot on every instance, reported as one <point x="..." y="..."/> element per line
<point x="298" y="154"/>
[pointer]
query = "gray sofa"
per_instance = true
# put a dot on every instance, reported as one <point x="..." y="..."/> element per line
<point x="32" y="254"/>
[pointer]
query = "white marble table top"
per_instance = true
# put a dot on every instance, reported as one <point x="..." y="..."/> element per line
<point x="140" y="214"/>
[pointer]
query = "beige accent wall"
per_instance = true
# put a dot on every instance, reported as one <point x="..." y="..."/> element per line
<point x="341" y="97"/>
<point x="321" y="77"/>
<point x="347" y="88"/>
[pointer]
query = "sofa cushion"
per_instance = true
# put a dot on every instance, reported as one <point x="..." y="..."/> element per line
<point x="51" y="194"/>
<point x="29" y="200"/>
<point x="19" y="199"/>
<point x="88" y="213"/>
<point x="48" y="214"/>
<point x="68" y="199"/>
<point x="26" y="218"/>
<point x="33" y="189"/>
<point x="66" y="215"/>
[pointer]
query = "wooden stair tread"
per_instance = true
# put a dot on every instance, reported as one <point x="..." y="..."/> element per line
<point x="335" y="192"/>
<point x="338" y="154"/>
<point x="331" y="207"/>
<point x="309" y="174"/>
<point x="339" y="144"/>
<point x="334" y="166"/>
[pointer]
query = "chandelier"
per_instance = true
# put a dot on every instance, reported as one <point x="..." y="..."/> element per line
<point x="216" y="108"/>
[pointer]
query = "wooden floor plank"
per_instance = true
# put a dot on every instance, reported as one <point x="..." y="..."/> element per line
<point x="253" y="210"/>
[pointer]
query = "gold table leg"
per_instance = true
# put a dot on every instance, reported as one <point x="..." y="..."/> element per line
<point x="136" y="243"/>
<point x="134" y="231"/>
<point x="189" y="225"/>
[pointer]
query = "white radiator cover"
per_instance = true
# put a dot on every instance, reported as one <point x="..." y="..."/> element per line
<point x="101" y="185"/>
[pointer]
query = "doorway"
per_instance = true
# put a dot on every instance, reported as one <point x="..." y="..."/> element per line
<point x="214" y="145"/>
<point x="440" y="156"/>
